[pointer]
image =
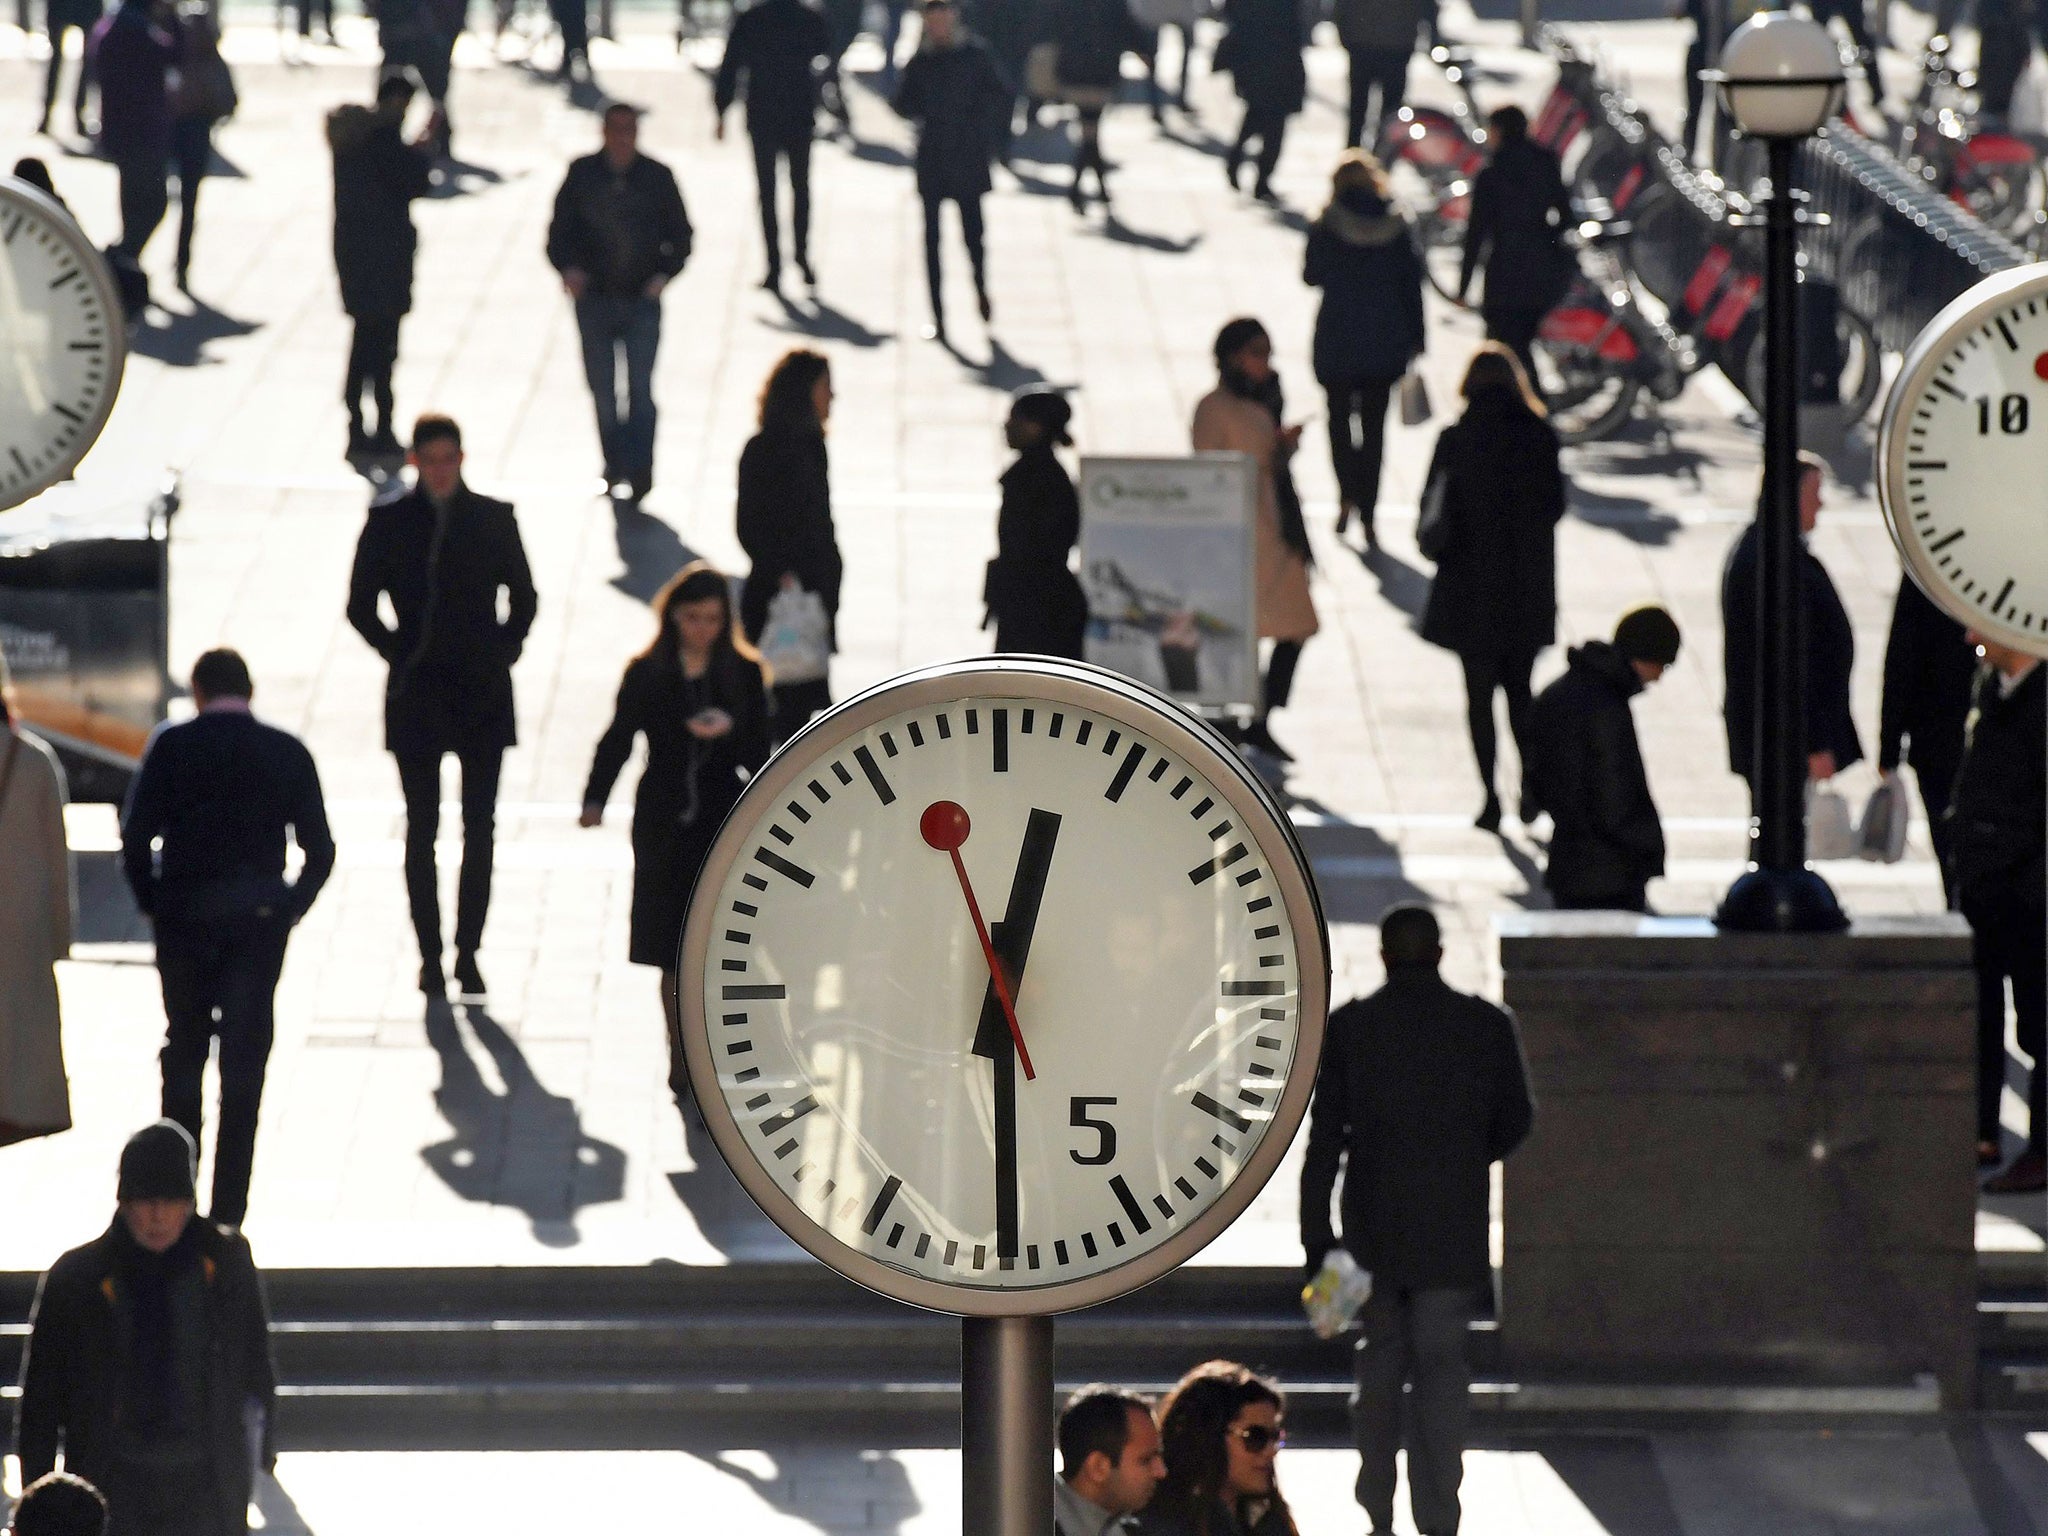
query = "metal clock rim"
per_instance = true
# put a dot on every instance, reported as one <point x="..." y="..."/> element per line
<point x="1937" y="340"/>
<point x="94" y="266"/>
<point x="1132" y="704"/>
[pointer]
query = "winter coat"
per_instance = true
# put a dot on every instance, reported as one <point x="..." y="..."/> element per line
<point x="1830" y="647"/>
<point x="1379" y="24"/>
<point x="776" y="45"/>
<point x="622" y="228"/>
<point x="1420" y="1091"/>
<point x="35" y="933"/>
<point x="783" y="514"/>
<point x="72" y="1380"/>
<point x="1229" y="423"/>
<point x="132" y="55"/>
<point x="1094" y="36"/>
<point x="450" y="687"/>
<point x="1362" y="254"/>
<point x="1221" y="1520"/>
<point x="202" y="88"/>
<point x="376" y="177"/>
<point x="1261" y="52"/>
<point x="1996" y="821"/>
<point x="1928" y="671"/>
<point x="961" y="102"/>
<point x="1495" y="592"/>
<point x="1520" y="211"/>
<point x="1587" y="770"/>
<point x="1036" y="601"/>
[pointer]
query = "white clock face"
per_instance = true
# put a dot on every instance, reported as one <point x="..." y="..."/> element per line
<point x="1965" y="459"/>
<point x="1161" y="953"/>
<point x="61" y="343"/>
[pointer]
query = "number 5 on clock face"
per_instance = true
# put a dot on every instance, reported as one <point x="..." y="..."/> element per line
<point x="1004" y="987"/>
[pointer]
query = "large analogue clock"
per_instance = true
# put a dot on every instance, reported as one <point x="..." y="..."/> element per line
<point x="1004" y="986"/>
<point x="1963" y="458"/>
<point x="62" y="342"/>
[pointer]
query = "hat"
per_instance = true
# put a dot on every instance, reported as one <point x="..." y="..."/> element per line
<point x="1647" y="634"/>
<point x="160" y="1162"/>
<point x="1048" y="408"/>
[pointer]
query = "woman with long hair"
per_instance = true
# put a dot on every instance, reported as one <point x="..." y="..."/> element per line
<point x="699" y="694"/>
<point x="1220" y="1434"/>
<point x="1499" y="495"/>
<point x="784" y="513"/>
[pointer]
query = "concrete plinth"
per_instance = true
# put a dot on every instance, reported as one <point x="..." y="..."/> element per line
<point x="1753" y="1155"/>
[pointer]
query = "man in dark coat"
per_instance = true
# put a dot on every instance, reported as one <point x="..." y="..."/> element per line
<point x="1379" y="38"/>
<point x="1929" y="666"/>
<point x="776" y="48"/>
<point x="132" y="53"/>
<point x="1261" y="51"/>
<point x="442" y="555"/>
<point x="220" y="793"/>
<point x="1997" y="831"/>
<point x="619" y="235"/>
<point x="148" y="1360"/>
<point x="1520" y="212"/>
<point x="1588" y="769"/>
<point x="955" y="92"/>
<point x="376" y="177"/>
<point x="60" y="19"/>
<point x="1421" y="1090"/>
<point x="1826" y="641"/>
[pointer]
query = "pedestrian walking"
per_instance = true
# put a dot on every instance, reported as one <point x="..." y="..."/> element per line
<point x="955" y="92"/>
<point x="1261" y="52"/>
<point x="132" y="53"/>
<point x="1362" y="255"/>
<point x="35" y="933"/>
<point x="1220" y="1433"/>
<point x="1243" y="415"/>
<point x="1498" y="494"/>
<point x="59" y="1504"/>
<point x="842" y="24"/>
<point x="203" y="846"/>
<point x="1421" y="1090"/>
<point x="445" y="557"/>
<point x="1012" y="29"/>
<point x="772" y="56"/>
<point x="418" y="37"/>
<point x="1929" y="667"/>
<point x="1035" y="599"/>
<point x="1109" y="1462"/>
<point x="619" y="235"/>
<point x="1520" y="213"/>
<point x="1587" y="768"/>
<point x="377" y="174"/>
<point x="60" y="19"/>
<point x="202" y="94"/>
<point x="148" y="1357"/>
<point x="1378" y="38"/>
<point x="698" y="694"/>
<point x="1154" y="17"/>
<point x="783" y="515"/>
<point x="572" y="21"/>
<point x="311" y="10"/>
<point x="1092" y="37"/>
<point x="1996" y="837"/>
<point x="1828" y="649"/>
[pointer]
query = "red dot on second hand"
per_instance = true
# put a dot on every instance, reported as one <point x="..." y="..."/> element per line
<point x="944" y="825"/>
<point x="2041" y="366"/>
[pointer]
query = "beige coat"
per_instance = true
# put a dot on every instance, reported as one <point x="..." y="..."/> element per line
<point x="35" y="933"/>
<point x="1227" y="423"/>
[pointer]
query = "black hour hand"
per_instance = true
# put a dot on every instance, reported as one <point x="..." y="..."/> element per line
<point x="1011" y="937"/>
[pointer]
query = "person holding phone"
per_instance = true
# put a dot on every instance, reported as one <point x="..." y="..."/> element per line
<point x="699" y="694"/>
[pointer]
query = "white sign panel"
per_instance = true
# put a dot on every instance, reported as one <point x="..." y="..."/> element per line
<point x="1167" y="561"/>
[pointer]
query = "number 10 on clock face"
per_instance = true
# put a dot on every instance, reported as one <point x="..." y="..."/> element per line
<point x="1002" y="985"/>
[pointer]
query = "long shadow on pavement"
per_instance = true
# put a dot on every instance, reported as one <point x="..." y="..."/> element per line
<point x="725" y="1213"/>
<point x="650" y="550"/>
<point x="1403" y="585"/>
<point x="1115" y="229"/>
<point x="825" y="323"/>
<point x="1630" y="516"/>
<point x="1358" y="872"/>
<point x="1618" y="1480"/>
<point x="891" y="1502"/>
<point x="1004" y="372"/>
<point x="183" y="340"/>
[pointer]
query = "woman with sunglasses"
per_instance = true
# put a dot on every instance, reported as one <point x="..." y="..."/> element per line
<point x="1219" y="1431"/>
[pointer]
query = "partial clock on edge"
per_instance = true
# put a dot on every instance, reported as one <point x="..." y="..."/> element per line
<point x="1963" y="458"/>
<point x="1076" y="1128"/>
<point x="63" y="341"/>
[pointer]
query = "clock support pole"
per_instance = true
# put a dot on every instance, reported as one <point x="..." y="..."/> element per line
<point x="1006" y="1426"/>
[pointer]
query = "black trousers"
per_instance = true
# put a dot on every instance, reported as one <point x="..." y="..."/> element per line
<point x="219" y="980"/>
<point x="2009" y="943"/>
<point x="1280" y="665"/>
<point x="572" y="19"/>
<point x="1516" y="330"/>
<point x="145" y="198"/>
<point x="795" y="703"/>
<point x="1634" y="899"/>
<point x="1270" y="129"/>
<point x="1413" y="1339"/>
<point x="308" y="9"/>
<point x="182" y="1499"/>
<point x="57" y="36"/>
<point x="970" y="234"/>
<point x="795" y="151"/>
<point x="1508" y="672"/>
<point x="1386" y="69"/>
<point x="191" y="154"/>
<point x="1358" y="435"/>
<point x="372" y="354"/>
<point x="419" y="777"/>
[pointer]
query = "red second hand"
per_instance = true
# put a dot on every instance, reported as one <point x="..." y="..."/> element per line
<point x="945" y="826"/>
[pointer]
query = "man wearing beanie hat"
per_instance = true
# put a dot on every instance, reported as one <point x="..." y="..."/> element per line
<point x="148" y="1361"/>
<point x="1608" y="841"/>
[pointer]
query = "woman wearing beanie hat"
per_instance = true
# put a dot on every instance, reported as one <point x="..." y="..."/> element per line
<point x="1034" y="599"/>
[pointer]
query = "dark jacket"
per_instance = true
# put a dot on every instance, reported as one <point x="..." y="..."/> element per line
<point x="72" y="1381"/>
<point x="1495" y="591"/>
<point x="784" y="517"/>
<point x="1520" y="211"/>
<point x="1420" y="1091"/>
<point x="1386" y="24"/>
<point x="1996" y="819"/>
<point x="1220" y="1520"/>
<point x="450" y="688"/>
<point x="1037" y="602"/>
<point x="961" y="102"/>
<point x="1094" y="36"/>
<point x="376" y="177"/>
<point x="1928" y="670"/>
<point x="776" y="46"/>
<point x="222" y="790"/>
<point x="1362" y="254"/>
<point x="1830" y="647"/>
<point x="1261" y="51"/>
<point x="623" y="228"/>
<point x="132" y="55"/>
<point x="1587" y="771"/>
<point x="682" y="773"/>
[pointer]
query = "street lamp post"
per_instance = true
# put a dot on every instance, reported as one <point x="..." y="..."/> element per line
<point x="1780" y="81"/>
